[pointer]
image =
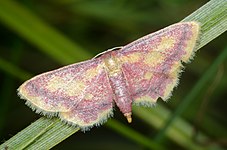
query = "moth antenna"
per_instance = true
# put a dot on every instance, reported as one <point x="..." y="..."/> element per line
<point x="112" y="49"/>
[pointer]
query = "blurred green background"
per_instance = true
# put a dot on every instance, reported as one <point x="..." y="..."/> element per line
<point x="46" y="35"/>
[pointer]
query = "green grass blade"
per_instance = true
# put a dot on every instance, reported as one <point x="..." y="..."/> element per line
<point x="213" y="25"/>
<point x="194" y="92"/>
<point x="42" y="134"/>
<point x="213" y="19"/>
<point x="52" y="136"/>
<point x="39" y="33"/>
<point x="23" y="139"/>
<point x="8" y="83"/>
<point x="13" y="70"/>
<point x="133" y="135"/>
<point x="180" y="131"/>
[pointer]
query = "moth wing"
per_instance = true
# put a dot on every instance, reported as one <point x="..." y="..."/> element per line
<point x="96" y="105"/>
<point x="152" y="63"/>
<point x="80" y="93"/>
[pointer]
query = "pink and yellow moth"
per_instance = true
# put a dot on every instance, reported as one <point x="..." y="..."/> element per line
<point x="84" y="94"/>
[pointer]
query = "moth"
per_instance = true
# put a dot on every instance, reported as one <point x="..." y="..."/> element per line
<point x="84" y="94"/>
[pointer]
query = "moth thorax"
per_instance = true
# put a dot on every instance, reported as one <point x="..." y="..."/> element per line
<point x="112" y="66"/>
